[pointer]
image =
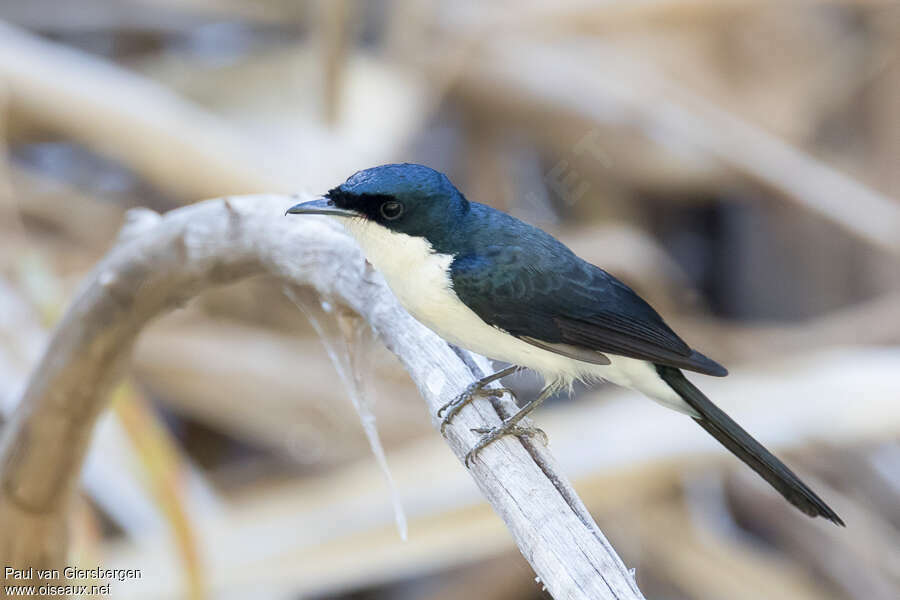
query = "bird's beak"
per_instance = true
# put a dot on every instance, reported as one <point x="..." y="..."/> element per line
<point x="320" y="206"/>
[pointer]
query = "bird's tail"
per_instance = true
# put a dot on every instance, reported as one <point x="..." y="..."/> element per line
<point x="742" y="445"/>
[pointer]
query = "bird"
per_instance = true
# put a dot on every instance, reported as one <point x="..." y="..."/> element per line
<point x="497" y="286"/>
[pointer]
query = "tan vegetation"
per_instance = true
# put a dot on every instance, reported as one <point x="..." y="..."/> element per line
<point x="737" y="162"/>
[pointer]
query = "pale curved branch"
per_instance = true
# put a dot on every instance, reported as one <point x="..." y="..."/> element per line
<point x="160" y="262"/>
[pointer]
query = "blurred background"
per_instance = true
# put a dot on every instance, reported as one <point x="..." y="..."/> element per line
<point x="737" y="162"/>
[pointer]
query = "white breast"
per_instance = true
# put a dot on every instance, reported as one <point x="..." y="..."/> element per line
<point x="420" y="278"/>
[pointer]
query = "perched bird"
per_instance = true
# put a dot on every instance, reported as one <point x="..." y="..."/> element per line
<point x="490" y="283"/>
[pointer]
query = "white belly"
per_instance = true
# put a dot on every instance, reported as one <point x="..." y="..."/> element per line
<point x="421" y="281"/>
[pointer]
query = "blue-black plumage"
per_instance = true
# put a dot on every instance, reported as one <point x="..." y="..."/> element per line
<point x="495" y="285"/>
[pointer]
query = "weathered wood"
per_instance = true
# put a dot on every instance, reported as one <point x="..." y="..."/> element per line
<point x="204" y="370"/>
<point x="620" y="89"/>
<point x="161" y="262"/>
<point x="617" y="447"/>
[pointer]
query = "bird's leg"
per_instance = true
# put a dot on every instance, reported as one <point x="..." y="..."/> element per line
<point x="510" y="427"/>
<point x="518" y="431"/>
<point x="476" y="389"/>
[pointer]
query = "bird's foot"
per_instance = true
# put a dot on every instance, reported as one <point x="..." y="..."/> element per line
<point x="452" y="408"/>
<point x="492" y="434"/>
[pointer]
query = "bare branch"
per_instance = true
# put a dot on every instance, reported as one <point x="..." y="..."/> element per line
<point x="620" y="90"/>
<point x="214" y="158"/>
<point x="159" y="263"/>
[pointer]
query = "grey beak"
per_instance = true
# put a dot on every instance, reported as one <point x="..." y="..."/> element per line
<point x="320" y="206"/>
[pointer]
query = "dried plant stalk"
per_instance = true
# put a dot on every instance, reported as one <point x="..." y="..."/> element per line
<point x="159" y="263"/>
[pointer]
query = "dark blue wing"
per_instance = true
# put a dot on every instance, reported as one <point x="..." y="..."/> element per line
<point x="556" y="298"/>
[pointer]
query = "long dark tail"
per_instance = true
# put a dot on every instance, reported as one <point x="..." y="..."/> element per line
<point x="742" y="445"/>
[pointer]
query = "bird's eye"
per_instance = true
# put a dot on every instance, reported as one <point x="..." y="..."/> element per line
<point x="391" y="210"/>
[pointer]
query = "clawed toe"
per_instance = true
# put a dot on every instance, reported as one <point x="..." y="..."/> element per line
<point x="492" y="434"/>
<point x="510" y="426"/>
<point x="449" y="410"/>
<point x="478" y="388"/>
<point x="498" y="392"/>
<point x="517" y="430"/>
<point x="452" y="408"/>
<point x="441" y="410"/>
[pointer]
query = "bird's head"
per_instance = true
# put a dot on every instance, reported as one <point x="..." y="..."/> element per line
<point x="404" y="198"/>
